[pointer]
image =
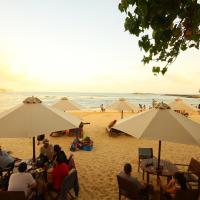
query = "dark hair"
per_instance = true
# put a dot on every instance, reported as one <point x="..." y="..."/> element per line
<point x="60" y="159"/>
<point x="181" y="180"/>
<point x="127" y="168"/>
<point x="57" y="148"/>
<point x="22" y="167"/>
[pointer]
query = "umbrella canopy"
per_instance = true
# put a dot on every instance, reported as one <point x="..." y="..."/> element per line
<point x="161" y="123"/>
<point x="33" y="117"/>
<point x="179" y="104"/>
<point x="65" y="104"/>
<point x="123" y="105"/>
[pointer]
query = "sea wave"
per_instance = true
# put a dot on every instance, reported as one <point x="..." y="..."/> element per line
<point x="86" y="100"/>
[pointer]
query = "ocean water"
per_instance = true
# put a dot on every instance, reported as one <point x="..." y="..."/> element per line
<point x="86" y="100"/>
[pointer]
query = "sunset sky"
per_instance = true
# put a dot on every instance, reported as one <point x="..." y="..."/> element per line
<point x="80" y="46"/>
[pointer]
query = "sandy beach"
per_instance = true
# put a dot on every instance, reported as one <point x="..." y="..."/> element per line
<point x="97" y="169"/>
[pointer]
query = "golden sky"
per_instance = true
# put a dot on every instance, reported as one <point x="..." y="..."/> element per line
<point x="80" y="47"/>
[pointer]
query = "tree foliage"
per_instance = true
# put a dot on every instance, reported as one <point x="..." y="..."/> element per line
<point x="164" y="27"/>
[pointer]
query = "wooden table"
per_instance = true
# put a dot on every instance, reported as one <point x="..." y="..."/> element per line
<point x="149" y="166"/>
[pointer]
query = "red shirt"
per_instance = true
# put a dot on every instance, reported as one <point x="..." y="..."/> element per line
<point x="58" y="174"/>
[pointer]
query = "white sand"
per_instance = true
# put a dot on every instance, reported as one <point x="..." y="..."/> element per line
<point x="97" y="169"/>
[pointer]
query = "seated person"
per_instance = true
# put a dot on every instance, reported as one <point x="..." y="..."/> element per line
<point x="46" y="151"/>
<point x="126" y="173"/>
<point x="22" y="180"/>
<point x="58" y="152"/>
<point x="6" y="161"/>
<point x="76" y="144"/>
<point x="87" y="141"/>
<point x="177" y="183"/>
<point x="40" y="138"/>
<point x="59" y="171"/>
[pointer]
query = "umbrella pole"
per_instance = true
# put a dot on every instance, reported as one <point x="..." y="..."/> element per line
<point x="33" y="149"/>
<point x="159" y="152"/>
<point x="122" y="114"/>
<point x="158" y="166"/>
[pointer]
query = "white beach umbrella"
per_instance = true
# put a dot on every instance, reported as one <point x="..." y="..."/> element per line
<point x="32" y="118"/>
<point x="179" y="104"/>
<point x="122" y="105"/>
<point x="161" y="123"/>
<point x="65" y="104"/>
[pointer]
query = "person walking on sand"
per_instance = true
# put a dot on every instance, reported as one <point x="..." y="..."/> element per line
<point x="102" y="108"/>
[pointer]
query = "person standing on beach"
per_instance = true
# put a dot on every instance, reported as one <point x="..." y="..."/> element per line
<point x="102" y="108"/>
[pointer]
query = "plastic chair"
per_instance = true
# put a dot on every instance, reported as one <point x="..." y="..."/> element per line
<point x="144" y="153"/>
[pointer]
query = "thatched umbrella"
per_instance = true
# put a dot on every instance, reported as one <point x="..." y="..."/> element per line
<point x="181" y="105"/>
<point x="65" y="104"/>
<point x="122" y="105"/>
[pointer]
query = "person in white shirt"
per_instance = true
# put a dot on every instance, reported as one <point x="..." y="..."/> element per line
<point x="22" y="180"/>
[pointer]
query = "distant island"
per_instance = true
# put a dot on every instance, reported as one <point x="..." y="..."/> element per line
<point x="184" y="95"/>
<point x="145" y="93"/>
<point x="175" y="95"/>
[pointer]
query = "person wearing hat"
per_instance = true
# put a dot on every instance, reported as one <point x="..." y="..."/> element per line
<point x="22" y="180"/>
<point x="47" y="150"/>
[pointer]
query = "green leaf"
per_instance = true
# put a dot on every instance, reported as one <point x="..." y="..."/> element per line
<point x="164" y="28"/>
<point x="183" y="47"/>
<point x="156" y="69"/>
<point x="164" y="70"/>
